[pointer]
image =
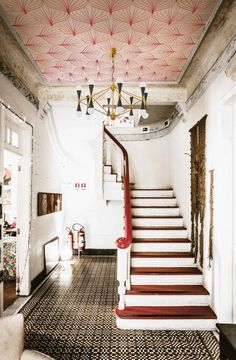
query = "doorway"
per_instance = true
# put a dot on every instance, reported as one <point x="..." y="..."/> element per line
<point x="16" y="148"/>
<point x="10" y="220"/>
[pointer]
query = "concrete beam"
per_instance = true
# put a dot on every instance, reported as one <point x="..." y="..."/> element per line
<point x="219" y="35"/>
<point x="16" y="59"/>
<point x="156" y="93"/>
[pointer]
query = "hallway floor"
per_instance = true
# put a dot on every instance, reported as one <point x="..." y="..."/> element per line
<point x="71" y="317"/>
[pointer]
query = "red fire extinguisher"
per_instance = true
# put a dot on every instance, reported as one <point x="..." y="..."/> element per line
<point x="80" y="235"/>
<point x="81" y="239"/>
<point x="70" y="238"/>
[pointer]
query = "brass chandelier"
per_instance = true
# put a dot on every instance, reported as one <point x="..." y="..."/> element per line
<point x="120" y="103"/>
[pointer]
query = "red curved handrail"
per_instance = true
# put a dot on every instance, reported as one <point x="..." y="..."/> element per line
<point x="124" y="242"/>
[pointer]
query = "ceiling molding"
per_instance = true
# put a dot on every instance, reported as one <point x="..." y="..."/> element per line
<point x="156" y="93"/>
<point x="231" y="68"/>
<point x="221" y="32"/>
<point x="23" y="89"/>
<point x="212" y="74"/>
<point x="154" y="134"/>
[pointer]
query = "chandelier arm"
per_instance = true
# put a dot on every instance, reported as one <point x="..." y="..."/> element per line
<point x="136" y="102"/>
<point x="100" y="94"/>
<point x="100" y="106"/>
<point x="125" y="112"/>
<point x="82" y="102"/>
<point x="123" y="97"/>
<point x="130" y="94"/>
<point x="101" y="112"/>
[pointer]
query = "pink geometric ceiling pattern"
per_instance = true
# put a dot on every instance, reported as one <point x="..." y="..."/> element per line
<point x="69" y="40"/>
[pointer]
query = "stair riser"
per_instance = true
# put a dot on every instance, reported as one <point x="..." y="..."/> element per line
<point x="155" y="212"/>
<point x="166" y="279"/>
<point x="160" y="262"/>
<point x="183" y="247"/>
<point x="153" y="202"/>
<point x="171" y="324"/>
<point x="152" y="193"/>
<point x="111" y="195"/>
<point x="107" y="169"/>
<point x="113" y="186"/>
<point x="157" y="222"/>
<point x="110" y="177"/>
<point x="112" y="191"/>
<point x="165" y="234"/>
<point x="166" y="300"/>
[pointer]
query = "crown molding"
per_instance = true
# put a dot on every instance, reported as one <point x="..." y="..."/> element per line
<point x="23" y="89"/>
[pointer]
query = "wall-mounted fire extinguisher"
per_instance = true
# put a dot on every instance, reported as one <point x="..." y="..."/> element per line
<point x="70" y="237"/>
<point x="80" y="236"/>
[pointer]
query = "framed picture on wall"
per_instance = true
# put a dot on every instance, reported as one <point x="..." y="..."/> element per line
<point x="49" y="203"/>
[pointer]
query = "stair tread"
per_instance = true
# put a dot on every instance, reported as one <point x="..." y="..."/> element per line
<point x="157" y="217"/>
<point x="168" y="189"/>
<point x="161" y="240"/>
<point x="167" y="290"/>
<point x="166" y="312"/>
<point x="153" y="197"/>
<point x="151" y="254"/>
<point x="154" y="207"/>
<point x="165" y="271"/>
<point x="159" y="228"/>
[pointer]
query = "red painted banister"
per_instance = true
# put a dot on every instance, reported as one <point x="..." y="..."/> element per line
<point x="124" y="242"/>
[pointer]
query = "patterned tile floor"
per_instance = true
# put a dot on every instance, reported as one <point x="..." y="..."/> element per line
<point x="72" y="318"/>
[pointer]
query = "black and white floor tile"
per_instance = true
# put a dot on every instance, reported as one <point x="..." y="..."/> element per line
<point x="72" y="318"/>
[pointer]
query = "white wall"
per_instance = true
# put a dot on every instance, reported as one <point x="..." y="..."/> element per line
<point x="218" y="278"/>
<point x="45" y="178"/>
<point x="149" y="163"/>
<point x="79" y="143"/>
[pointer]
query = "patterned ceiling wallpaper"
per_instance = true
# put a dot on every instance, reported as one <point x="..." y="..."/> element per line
<point x="69" y="40"/>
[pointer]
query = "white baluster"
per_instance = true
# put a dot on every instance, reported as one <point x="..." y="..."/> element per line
<point x="121" y="292"/>
<point x="128" y="282"/>
<point x="122" y="276"/>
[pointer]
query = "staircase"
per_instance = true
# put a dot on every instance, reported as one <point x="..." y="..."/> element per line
<point x="112" y="187"/>
<point x="166" y="286"/>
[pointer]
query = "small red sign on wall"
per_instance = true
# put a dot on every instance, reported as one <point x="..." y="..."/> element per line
<point x="80" y="186"/>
